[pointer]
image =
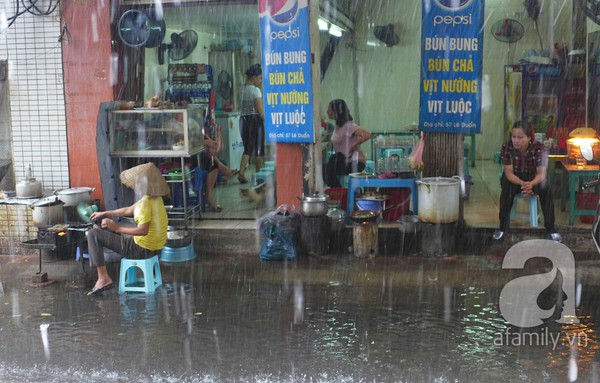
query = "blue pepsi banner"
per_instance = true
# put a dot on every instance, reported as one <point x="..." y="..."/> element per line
<point x="286" y="63"/>
<point x="451" y="66"/>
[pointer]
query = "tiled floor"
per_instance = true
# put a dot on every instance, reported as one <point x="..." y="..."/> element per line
<point x="480" y="210"/>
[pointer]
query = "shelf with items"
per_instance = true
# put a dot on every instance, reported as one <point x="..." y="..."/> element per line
<point x="191" y="82"/>
<point x="153" y="132"/>
<point x="390" y="151"/>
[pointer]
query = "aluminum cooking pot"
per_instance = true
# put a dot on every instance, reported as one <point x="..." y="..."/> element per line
<point x="73" y="196"/>
<point x="314" y="205"/>
<point x="47" y="211"/>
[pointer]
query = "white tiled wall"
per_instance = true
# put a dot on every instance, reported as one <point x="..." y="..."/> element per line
<point x="36" y="96"/>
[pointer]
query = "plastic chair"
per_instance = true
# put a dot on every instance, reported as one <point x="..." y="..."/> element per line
<point x="523" y="215"/>
<point x="129" y="281"/>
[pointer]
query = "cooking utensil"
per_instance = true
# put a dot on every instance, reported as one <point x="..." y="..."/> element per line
<point x="29" y="187"/>
<point x="314" y="205"/>
<point x="47" y="211"/>
<point x="73" y="196"/>
<point x="439" y="199"/>
<point x="361" y="216"/>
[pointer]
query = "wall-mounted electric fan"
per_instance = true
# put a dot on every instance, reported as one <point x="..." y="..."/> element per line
<point x="182" y="44"/>
<point x="508" y="30"/>
<point x="386" y="34"/>
<point x="141" y="29"/>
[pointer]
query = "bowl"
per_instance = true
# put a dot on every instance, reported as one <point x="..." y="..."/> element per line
<point x="126" y="105"/>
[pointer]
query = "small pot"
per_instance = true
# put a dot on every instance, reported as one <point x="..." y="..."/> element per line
<point x="47" y="211"/>
<point x="314" y="205"/>
<point x="409" y="224"/>
<point x="73" y="196"/>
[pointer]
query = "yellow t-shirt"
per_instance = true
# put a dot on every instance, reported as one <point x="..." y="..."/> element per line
<point x="151" y="209"/>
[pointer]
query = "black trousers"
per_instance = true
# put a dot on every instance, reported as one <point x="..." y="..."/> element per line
<point x="508" y="193"/>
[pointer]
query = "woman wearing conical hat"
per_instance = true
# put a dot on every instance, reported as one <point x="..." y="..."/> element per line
<point x="144" y="240"/>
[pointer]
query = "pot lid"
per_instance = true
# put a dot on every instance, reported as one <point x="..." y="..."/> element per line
<point x="440" y="181"/>
<point x="47" y="201"/>
<point x="317" y="197"/>
<point x="76" y="190"/>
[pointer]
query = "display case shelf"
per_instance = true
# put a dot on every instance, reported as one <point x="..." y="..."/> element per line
<point x="153" y="132"/>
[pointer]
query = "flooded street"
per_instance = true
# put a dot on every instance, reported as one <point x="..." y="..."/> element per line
<point x="316" y="319"/>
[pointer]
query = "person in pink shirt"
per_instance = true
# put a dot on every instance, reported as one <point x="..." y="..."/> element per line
<point x="345" y="141"/>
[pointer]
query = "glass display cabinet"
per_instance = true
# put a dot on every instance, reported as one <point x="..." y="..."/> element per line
<point x="153" y="132"/>
<point x="161" y="133"/>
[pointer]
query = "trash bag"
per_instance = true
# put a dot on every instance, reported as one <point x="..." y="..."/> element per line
<point x="278" y="246"/>
<point x="281" y="230"/>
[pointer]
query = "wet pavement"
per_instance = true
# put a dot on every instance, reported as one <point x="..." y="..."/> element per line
<point x="334" y="318"/>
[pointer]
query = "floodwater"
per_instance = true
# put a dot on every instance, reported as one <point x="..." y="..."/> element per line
<point x="316" y="319"/>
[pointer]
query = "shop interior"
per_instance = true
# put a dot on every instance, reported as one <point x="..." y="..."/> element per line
<point x="369" y="57"/>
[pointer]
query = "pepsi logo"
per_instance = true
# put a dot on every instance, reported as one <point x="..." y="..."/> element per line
<point x="453" y="4"/>
<point x="280" y="11"/>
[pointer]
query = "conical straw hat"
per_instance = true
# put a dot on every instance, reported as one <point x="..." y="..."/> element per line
<point x="145" y="179"/>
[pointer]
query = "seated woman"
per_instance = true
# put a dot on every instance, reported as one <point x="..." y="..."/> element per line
<point x="525" y="162"/>
<point x="210" y="163"/>
<point x="345" y="141"/>
<point x="144" y="240"/>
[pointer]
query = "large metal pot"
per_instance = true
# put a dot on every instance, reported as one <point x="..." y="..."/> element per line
<point x="439" y="199"/>
<point x="47" y="211"/>
<point x="73" y="196"/>
<point x="314" y="205"/>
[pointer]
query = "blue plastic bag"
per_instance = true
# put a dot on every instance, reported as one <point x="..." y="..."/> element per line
<point x="278" y="245"/>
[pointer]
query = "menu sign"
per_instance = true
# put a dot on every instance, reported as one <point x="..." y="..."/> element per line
<point x="286" y="63"/>
<point x="451" y="66"/>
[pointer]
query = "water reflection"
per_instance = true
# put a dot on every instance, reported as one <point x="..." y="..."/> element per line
<point x="237" y="319"/>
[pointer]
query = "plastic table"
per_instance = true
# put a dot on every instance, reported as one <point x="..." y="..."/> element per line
<point x="374" y="182"/>
<point x="575" y="173"/>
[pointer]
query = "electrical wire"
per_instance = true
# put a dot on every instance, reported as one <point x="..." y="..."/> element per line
<point x="30" y="6"/>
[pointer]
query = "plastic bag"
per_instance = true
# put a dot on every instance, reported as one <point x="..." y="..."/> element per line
<point x="281" y="230"/>
<point x="415" y="159"/>
<point x="278" y="246"/>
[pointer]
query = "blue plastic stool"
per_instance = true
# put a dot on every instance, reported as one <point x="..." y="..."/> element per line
<point x="268" y="168"/>
<point x="391" y="152"/>
<point x="522" y="215"/>
<point x="129" y="280"/>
